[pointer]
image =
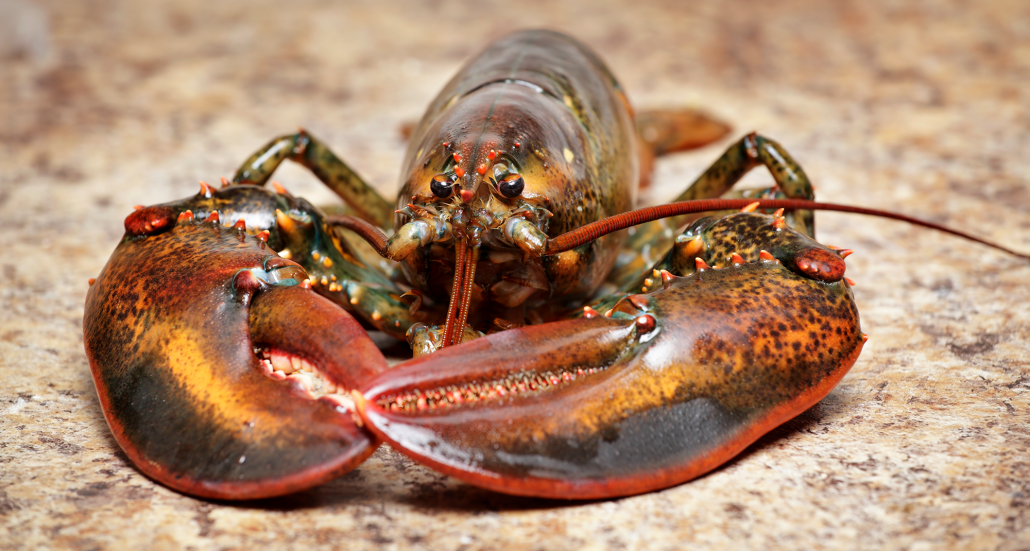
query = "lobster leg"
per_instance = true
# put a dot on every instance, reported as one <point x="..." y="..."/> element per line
<point x="171" y="326"/>
<point x="668" y="386"/>
<point x="749" y="152"/>
<point x="325" y="165"/>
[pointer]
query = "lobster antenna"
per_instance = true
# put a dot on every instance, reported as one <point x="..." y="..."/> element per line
<point x="571" y="240"/>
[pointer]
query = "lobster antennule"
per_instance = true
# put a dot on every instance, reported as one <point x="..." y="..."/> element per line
<point x="472" y="257"/>
<point x="465" y="260"/>
<point x="460" y="249"/>
<point x="571" y="240"/>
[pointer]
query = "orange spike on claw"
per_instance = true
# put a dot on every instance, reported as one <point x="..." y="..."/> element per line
<point x="751" y="207"/>
<point x="279" y="188"/>
<point x="764" y="255"/>
<point x="186" y="216"/>
<point x="138" y="207"/>
<point x="667" y="278"/>
<point x="701" y="264"/>
<point x="844" y="253"/>
<point x="865" y="337"/>
<point x="778" y="214"/>
<point x="850" y="281"/>
<point x="205" y="189"/>
<point x="262" y="236"/>
<point x="736" y="259"/>
<point x="590" y="313"/>
<point x="225" y="181"/>
<point x="240" y="225"/>
<point x="779" y="223"/>
<point x="92" y="280"/>
<point x="213" y="217"/>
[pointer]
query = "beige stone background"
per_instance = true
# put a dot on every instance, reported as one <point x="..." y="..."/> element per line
<point x="920" y="107"/>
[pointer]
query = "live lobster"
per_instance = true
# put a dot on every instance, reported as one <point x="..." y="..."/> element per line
<point x="553" y="356"/>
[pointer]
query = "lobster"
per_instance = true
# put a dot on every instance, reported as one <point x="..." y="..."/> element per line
<point x="554" y="356"/>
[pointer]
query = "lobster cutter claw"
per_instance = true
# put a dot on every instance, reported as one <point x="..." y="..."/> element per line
<point x="670" y="386"/>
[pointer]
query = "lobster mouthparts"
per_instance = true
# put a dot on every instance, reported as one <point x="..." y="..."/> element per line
<point x="171" y="328"/>
<point x="672" y="385"/>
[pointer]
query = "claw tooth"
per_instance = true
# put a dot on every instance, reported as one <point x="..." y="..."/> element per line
<point x="305" y="380"/>
<point x="779" y="223"/>
<point x="865" y="337"/>
<point x="655" y="274"/>
<point x="608" y="314"/>
<point x="279" y="188"/>
<point x="736" y="259"/>
<point x="240" y="225"/>
<point x="844" y="253"/>
<point x="225" y="181"/>
<point x="262" y="236"/>
<point x="764" y="255"/>
<point x="778" y="213"/>
<point x="667" y="277"/>
<point x="751" y="207"/>
<point x="213" y="217"/>
<point x="850" y="281"/>
<point x="590" y="313"/>
<point x="92" y="280"/>
<point x="701" y="264"/>
<point x="138" y="207"/>
<point x="185" y="216"/>
<point x="282" y="363"/>
<point x="649" y="282"/>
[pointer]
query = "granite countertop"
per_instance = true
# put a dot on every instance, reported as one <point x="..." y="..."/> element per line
<point x="920" y="108"/>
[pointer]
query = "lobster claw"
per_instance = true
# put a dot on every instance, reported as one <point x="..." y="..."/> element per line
<point x="670" y="386"/>
<point x="171" y="327"/>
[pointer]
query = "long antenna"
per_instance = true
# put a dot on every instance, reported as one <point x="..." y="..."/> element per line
<point x="571" y="240"/>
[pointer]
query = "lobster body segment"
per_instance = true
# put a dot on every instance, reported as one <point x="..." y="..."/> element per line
<point x="541" y="107"/>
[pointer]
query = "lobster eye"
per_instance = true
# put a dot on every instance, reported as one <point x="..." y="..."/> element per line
<point x="442" y="186"/>
<point x="511" y="186"/>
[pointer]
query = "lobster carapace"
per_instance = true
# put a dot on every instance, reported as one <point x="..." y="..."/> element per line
<point x="224" y="346"/>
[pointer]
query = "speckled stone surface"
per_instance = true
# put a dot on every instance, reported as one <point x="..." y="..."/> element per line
<point x="922" y="108"/>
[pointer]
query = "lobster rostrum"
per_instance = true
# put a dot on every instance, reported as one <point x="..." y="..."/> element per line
<point x="553" y="356"/>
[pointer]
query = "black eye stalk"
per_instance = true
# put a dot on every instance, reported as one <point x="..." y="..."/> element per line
<point x="511" y="186"/>
<point x="442" y="185"/>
